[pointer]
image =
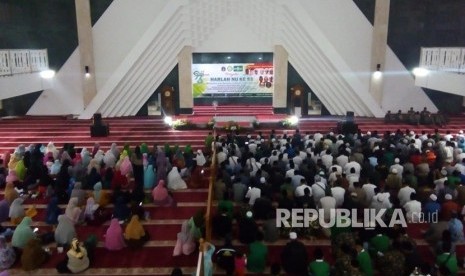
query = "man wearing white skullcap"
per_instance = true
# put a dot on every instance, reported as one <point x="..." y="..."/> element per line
<point x="432" y="208"/>
<point x="294" y="256"/>
<point x="252" y="194"/>
<point x="398" y="167"/>
<point x="448" y="207"/>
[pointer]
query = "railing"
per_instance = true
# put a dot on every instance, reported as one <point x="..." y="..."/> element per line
<point x="23" y="61"/>
<point x="208" y="227"/>
<point x="443" y="59"/>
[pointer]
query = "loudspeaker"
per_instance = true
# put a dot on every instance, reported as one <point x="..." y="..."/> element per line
<point x="98" y="128"/>
<point x="97" y="119"/>
<point x="350" y="116"/>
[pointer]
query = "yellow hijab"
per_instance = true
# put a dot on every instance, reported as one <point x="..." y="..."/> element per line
<point x="10" y="193"/>
<point x="134" y="230"/>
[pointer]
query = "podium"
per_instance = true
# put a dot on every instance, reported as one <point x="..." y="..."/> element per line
<point x="98" y="128"/>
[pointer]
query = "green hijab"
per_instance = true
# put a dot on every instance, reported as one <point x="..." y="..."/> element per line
<point x="23" y="233"/>
<point x="144" y="148"/>
<point x="127" y="148"/>
<point x="167" y="149"/>
<point x="188" y="149"/>
<point x="20" y="170"/>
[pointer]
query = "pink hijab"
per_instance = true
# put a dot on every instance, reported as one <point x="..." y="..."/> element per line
<point x="160" y="193"/>
<point x="114" y="236"/>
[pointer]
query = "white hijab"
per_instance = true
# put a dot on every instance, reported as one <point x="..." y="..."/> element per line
<point x="175" y="181"/>
<point x="17" y="209"/>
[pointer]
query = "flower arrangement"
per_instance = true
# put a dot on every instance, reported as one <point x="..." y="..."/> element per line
<point x="290" y="121"/>
<point x="182" y="124"/>
<point x="232" y="126"/>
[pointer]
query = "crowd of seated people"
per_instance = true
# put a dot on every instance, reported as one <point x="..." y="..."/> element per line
<point x="420" y="175"/>
<point x="401" y="170"/>
<point x="425" y="117"/>
<point x="86" y="181"/>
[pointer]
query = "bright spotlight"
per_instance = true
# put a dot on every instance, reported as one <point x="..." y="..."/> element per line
<point x="377" y="74"/>
<point x="294" y="120"/>
<point x="47" y="74"/>
<point x="168" y="120"/>
<point x="420" y="72"/>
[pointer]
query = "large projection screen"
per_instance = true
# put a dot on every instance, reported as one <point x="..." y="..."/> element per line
<point x="221" y="77"/>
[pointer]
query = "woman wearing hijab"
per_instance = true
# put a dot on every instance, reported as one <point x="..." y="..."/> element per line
<point x="114" y="236"/>
<point x="161" y="164"/>
<point x="10" y="193"/>
<point x="17" y="212"/>
<point x="7" y="254"/>
<point x="196" y="179"/>
<point x="121" y="210"/>
<point x="53" y="211"/>
<point x="94" y="214"/>
<point x="175" y="181"/>
<point x="119" y="181"/>
<point x="65" y="231"/>
<point x="79" y="193"/>
<point x="62" y="183"/>
<point x="185" y="243"/>
<point x="135" y="235"/>
<point x="73" y="212"/>
<point x="23" y="233"/>
<point x="4" y="210"/>
<point x="92" y="178"/>
<point x="102" y="198"/>
<point x="108" y="178"/>
<point x="137" y="167"/>
<point x="33" y="256"/>
<point x="161" y="195"/>
<point x="126" y="166"/>
<point x="208" y="250"/>
<point x="114" y="150"/>
<point x="85" y="157"/>
<point x="149" y="177"/>
<point x="55" y="169"/>
<point x="178" y="159"/>
<point x="21" y="170"/>
<point x="76" y="260"/>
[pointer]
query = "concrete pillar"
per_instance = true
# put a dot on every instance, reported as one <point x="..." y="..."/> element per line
<point x="378" y="48"/>
<point x="86" y="50"/>
<point x="280" y="60"/>
<point x="186" y="99"/>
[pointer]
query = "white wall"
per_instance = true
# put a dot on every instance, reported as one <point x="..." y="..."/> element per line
<point x="65" y="95"/>
<point x="20" y="84"/>
<point x="224" y="39"/>
<point x="118" y="31"/>
<point x="348" y="31"/>
<point x="400" y="91"/>
<point x="447" y="82"/>
<point x="328" y="42"/>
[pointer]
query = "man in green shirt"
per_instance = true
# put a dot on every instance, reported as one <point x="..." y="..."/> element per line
<point x="379" y="243"/>
<point x="363" y="259"/>
<point x="318" y="267"/>
<point x="256" y="260"/>
<point x="447" y="262"/>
